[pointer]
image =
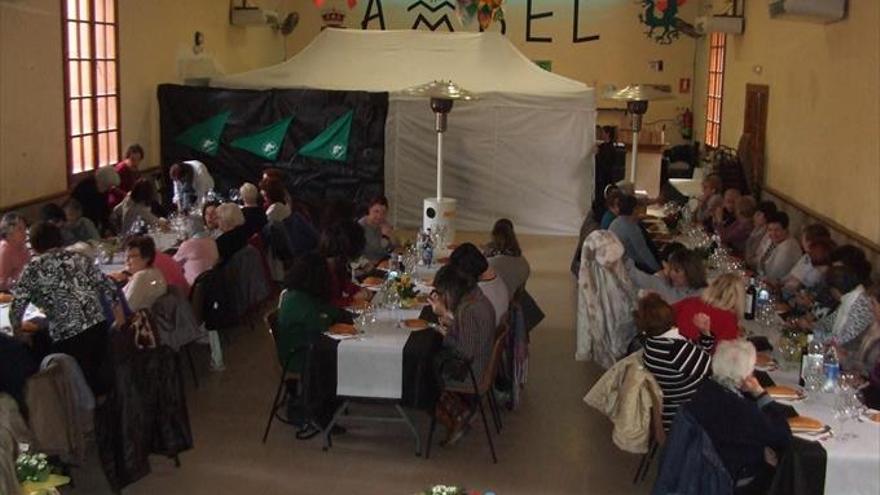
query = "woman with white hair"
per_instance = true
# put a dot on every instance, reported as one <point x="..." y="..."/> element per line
<point x="714" y="313"/>
<point x="14" y="253"/>
<point x="746" y="426"/>
<point x="254" y="214"/>
<point x="234" y="235"/>
<point x="93" y="194"/>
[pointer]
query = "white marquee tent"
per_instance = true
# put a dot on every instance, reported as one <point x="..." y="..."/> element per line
<point x="522" y="151"/>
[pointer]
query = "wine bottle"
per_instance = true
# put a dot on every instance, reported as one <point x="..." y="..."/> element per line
<point x="751" y="300"/>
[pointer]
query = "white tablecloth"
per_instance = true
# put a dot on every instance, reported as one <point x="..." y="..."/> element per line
<point x="30" y="313"/>
<point x="372" y="365"/>
<point x="853" y="466"/>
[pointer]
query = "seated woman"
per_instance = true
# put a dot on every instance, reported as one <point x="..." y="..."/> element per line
<point x="339" y="244"/>
<point x="197" y="255"/>
<point x="736" y="234"/>
<point x="254" y="214"/>
<point x="847" y="325"/>
<point x="54" y="214"/>
<point x="804" y="272"/>
<point x="506" y="258"/>
<point x="467" y="322"/>
<point x="305" y="311"/>
<point x="144" y="283"/>
<point x="14" y="253"/>
<point x="377" y="231"/>
<point x="710" y="199"/>
<point x="471" y="261"/>
<point x="81" y="228"/>
<point x="209" y="219"/>
<point x="759" y="231"/>
<point x="683" y="275"/>
<point x="725" y="214"/>
<point x="678" y="365"/>
<point x="136" y="205"/>
<point x="779" y="253"/>
<point x="626" y="227"/>
<point x="721" y="303"/>
<point x="233" y="234"/>
<point x="612" y="200"/>
<point x="274" y="194"/>
<point x="747" y="428"/>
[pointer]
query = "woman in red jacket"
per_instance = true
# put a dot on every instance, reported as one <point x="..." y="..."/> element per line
<point x="716" y="312"/>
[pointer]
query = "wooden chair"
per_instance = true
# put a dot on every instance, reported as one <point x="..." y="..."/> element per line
<point x="478" y="390"/>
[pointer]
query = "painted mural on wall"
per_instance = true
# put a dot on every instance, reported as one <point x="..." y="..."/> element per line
<point x="455" y="15"/>
<point x="664" y="24"/>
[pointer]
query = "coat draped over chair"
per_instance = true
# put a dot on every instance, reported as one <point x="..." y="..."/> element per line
<point x="629" y="395"/>
<point x="606" y="300"/>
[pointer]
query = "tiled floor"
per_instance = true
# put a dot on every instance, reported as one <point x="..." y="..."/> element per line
<point x="554" y="444"/>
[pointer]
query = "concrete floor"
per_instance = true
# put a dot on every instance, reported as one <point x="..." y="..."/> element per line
<point x="553" y="444"/>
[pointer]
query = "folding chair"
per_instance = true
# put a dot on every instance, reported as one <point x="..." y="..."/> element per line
<point x="478" y="391"/>
<point x="281" y="393"/>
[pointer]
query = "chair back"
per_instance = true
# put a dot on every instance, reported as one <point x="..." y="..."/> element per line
<point x="488" y="378"/>
<point x="198" y="295"/>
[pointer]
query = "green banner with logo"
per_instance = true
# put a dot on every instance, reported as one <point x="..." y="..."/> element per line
<point x="265" y="143"/>
<point x="332" y="143"/>
<point x="205" y="136"/>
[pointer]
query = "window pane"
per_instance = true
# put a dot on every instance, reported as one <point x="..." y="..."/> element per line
<point x="85" y="78"/>
<point x="84" y="10"/>
<point x="73" y="78"/>
<point x="87" y="126"/>
<point x="100" y="51"/>
<point x="111" y="78"/>
<point x="114" y="145"/>
<point x="99" y="11"/>
<point x="102" y="114"/>
<point x="71" y="9"/>
<point x="113" y="110"/>
<point x="100" y="75"/>
<point x="111" y="41"/>
<point x="110" y="10"/>
<point x="72" y="41"/>
<point x="103" y="151"/>
<point x="76" y="154"/>
<point x="88" y="152"/>
<point x="74" y="117"/>
<point x="85" y="41"/>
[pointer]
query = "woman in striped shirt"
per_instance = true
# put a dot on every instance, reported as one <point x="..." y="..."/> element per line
<point x="678" y="365"/>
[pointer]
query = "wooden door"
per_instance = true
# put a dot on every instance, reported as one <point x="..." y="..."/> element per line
<point x="755" y="134"/>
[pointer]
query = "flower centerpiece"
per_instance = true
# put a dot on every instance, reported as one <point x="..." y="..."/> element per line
<point x="32" y="467"/>
<point x="406" y="290"/>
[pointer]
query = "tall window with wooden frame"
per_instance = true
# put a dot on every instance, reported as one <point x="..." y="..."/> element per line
<point x="715" y="92"/>
<point x="91" y="77"/>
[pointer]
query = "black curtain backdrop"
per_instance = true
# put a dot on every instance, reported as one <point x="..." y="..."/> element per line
<point x="312" y="180"/>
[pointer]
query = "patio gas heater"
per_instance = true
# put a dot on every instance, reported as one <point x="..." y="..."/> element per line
<point x="637" y="98"/>
<point x="438" y="213"/>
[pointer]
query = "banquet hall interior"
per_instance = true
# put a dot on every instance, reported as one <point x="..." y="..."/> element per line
<point x="439" y="246"/>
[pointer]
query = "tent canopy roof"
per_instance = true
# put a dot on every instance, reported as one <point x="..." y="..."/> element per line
<point x="371" y="60"/>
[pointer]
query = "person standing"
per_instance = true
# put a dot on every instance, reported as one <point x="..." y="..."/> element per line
<point x="71" y="291"/>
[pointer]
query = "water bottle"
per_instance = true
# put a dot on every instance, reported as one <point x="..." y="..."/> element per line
<point x="751" y="304"/>
<point x="812" y="365"/>
<point x="428" y="249"/>
<point x="832" y="369"/>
